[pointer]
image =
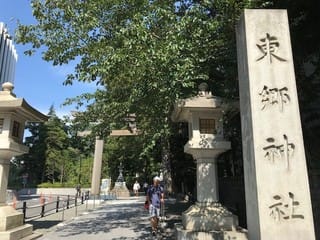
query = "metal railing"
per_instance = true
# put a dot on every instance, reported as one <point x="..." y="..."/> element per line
<point x="49" y="206"/>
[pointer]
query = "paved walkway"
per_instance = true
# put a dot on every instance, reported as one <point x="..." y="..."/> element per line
<point x="52" y="220"/>
<point x="115" y="220"/>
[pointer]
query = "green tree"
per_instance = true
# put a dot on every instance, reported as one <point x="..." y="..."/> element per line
<point x="34" y="161"/>
<point x="142" y="52"/>
<point x="145" y="55"/>
<point x="56" y="142"/>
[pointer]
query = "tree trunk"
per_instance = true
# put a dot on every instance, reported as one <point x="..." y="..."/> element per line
<point x="166" y="165"/>
<point x="61" y="174"/>
<point x="52" y="173"/>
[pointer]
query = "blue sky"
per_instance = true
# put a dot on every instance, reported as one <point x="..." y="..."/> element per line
<point x="37" y="81"/>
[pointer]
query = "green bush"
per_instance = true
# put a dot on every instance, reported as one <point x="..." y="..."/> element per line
<point x="55" y="185"/>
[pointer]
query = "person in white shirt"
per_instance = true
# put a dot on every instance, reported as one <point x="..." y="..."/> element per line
<point x="136" y="187"/>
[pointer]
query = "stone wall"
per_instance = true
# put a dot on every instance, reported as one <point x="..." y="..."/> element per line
<point x="48" y="191"/>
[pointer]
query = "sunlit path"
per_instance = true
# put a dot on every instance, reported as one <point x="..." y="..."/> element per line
<point x="117" y="219"/>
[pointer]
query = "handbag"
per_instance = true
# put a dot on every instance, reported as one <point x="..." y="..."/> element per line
<point x="146" y="205"/>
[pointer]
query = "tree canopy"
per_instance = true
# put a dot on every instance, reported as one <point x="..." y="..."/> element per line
<point x="144" y="55"/>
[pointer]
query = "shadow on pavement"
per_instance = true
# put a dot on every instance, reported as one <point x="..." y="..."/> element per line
<point x="119" y="221"/>
<point x="45" y="224"/>
<point x="126" y="220"/>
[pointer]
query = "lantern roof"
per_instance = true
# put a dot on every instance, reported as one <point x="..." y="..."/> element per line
<point x="9" y="103"/>
<point x="204" y="101"/>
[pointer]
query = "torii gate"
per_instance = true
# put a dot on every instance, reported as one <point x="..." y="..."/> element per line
<point x="98" y="150"/>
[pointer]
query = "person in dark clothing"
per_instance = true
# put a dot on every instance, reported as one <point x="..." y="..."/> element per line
<point x="78" y="189"/>
<point x="145" y="188"/>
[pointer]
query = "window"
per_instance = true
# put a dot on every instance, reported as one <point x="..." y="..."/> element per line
<point x="207" y="126"/>
<point x="16" y="129"/>
<point x="1" y="125"/>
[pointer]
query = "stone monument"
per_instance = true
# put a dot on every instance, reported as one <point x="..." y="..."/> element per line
<point x="105" y="185"/>
<point x="276" y="181"/>
<point x="207" y="219"/>
<point x="14" y="112"/>
<point x="120" y="188"/>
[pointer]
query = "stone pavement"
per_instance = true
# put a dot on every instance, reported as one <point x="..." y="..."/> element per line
<point x="115" y="220"/>
<point x="52" y="220"/>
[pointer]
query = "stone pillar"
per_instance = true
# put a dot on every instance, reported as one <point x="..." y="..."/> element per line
<point x="4" y="175"/>
<point x="207" y="214"/>
<point x="97" y="163"/>
<point x="207" y="182"/>
<point x="276" y="180"/>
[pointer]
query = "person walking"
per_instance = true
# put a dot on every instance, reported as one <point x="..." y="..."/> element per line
<point x="155" y="198"/>
<point x="136" y="187"/>
<point x="78" y="190"/>
<point x="145" y="188"/>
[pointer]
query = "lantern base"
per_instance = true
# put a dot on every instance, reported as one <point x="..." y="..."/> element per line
<point x="120" y="190"/>
<point x="208" y="217"/>
<point x="209" y="221"/>
<point x="183" y="234"/>
<point x="12" y="227"/>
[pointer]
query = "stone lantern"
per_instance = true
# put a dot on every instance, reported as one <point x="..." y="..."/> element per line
<point x="207" y="219"/>
<point x="14" y="113"/>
